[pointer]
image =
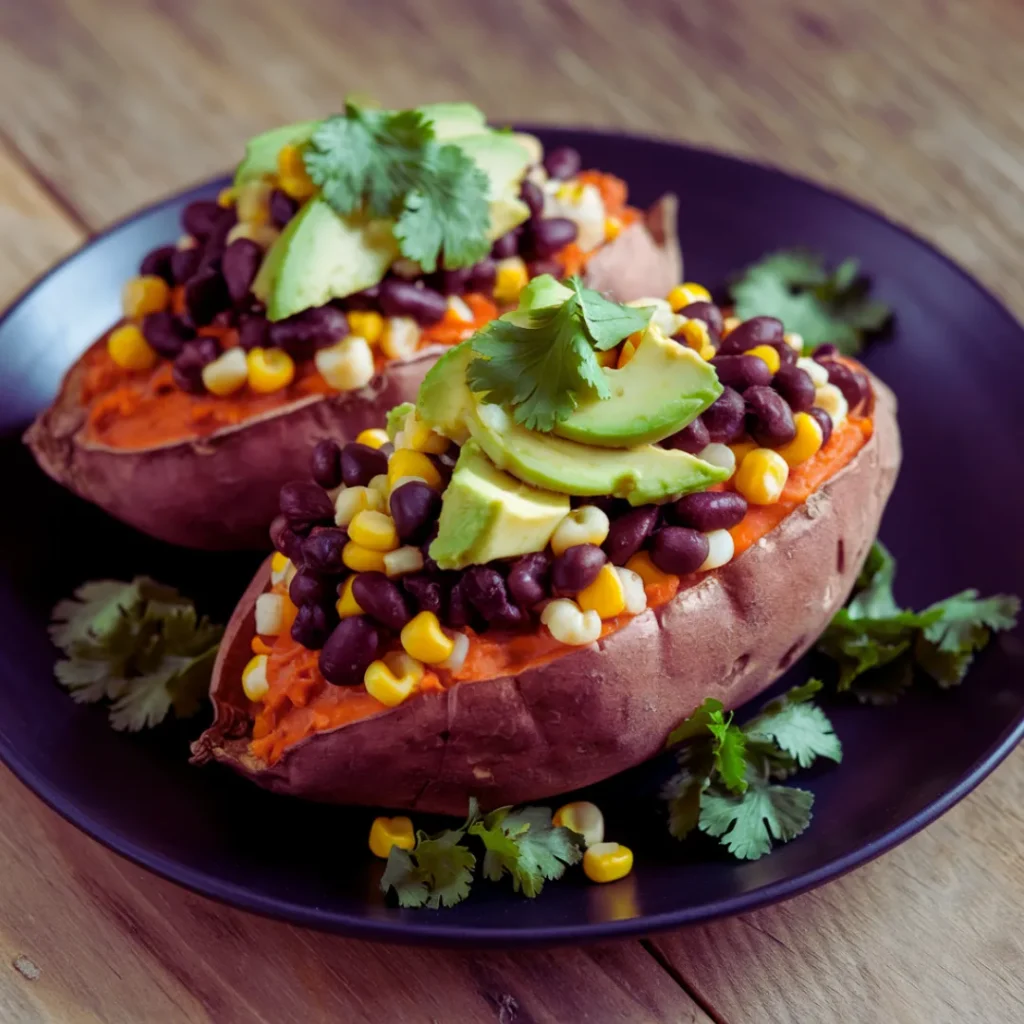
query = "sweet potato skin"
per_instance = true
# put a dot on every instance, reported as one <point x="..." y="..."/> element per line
<point x="220" y="492"/>
<point x="598" y="710"/>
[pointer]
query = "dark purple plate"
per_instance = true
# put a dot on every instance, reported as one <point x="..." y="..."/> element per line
<point x="957" y="363"/>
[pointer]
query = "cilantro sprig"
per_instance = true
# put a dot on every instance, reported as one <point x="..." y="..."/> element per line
<point x="880" y="647"/>
<point x="729" y="780"/>
<point x="389" y="164"/>
<point x="540" y="363"/>
<point x="795" y="286"/>
<point x="138" y="645"/>
<point x="522" y="843"/>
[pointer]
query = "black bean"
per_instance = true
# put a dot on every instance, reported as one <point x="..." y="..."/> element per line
<point x="576" y="568"/>
<point x="451" y="282"/>
<point x="381" y="599"/>
<point x="846" y="380"/>
<point x="211" y="249"/>
<point x="484" y="588"/>
<point x="563" y="162"/>
<point x="627" y="533"/>
<point x="709" y="313"/>
<point x="313" y="624"/>
<point x="826" y="351"/>
<point x="188" y="365"/>
<point x="531" y="194"/>
<point x="403" y="298"/>
<point x="200" y="217"/>
<point x="428" y="563"/>
<point x="349" y="650"/>
<point x="769" y="419"/>
<point x="300" y="335"/>
<point x="414" y="507"/>
<point x="368" y="298"/>
<point x="529" y="577"/>
<point x="206" y="294"/>
<point x="285" y="539"/>
<point x="787" y="354"/>
<point x="225" y="318"/>
<point x="742" y="372"/>
<point x="795" y="386"/>
<point x="184" y="264"/>
<point x="325" y="463"/>
<point x="305" y="504"/>
<point x="239" y="264"/>
<point x="483" y="276"/>
<point x="158" y="263"/>
<point x="360" y="464"/>
<point x="459" y="612"/>
<point x="166" y="333"/>
<point x="253" y="331"/>
<point x="679" y="550"/>
<point x="709" y="510"/>
<point x="824" y="421"/>
<point x="282" y="208"/>
<point x="693" y="438"/>
<point x="543" y="238"/>
<point x="537" y="267"/>
<point x="321" y="550"/>
<point x="507" y="245"/>
<point x="427" y="591"/>
<point x="307" y="587"/>
<point x="724" y="417"/>
<point x="758" y="330"/>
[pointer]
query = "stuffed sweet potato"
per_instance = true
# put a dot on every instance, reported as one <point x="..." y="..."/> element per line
<point x="282" y="315"/>
<point x="508" y="601"/>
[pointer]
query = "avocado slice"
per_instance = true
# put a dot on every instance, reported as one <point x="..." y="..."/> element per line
<point x="643" y="474"/>
<point x="320" y="256"/>
<point x="261" y="150"/>
<point x="504" y="159"/>
<point x="444" y="398"/>
<point x="452" y="120"/>
<point x="660" y="390"/>
<point x="488" y="514"/>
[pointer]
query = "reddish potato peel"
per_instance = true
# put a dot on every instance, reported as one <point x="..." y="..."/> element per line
<point x="220" y="491"/>
<point x="594" y="711"/>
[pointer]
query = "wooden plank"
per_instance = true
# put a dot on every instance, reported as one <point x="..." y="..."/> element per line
<point x="928" y="934"/>
<point x="108" y="942"/>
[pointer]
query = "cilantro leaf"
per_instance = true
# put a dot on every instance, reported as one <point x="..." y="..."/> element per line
<point x="683" y="792"/>
<point x="446" y="212"/>
<point x="746" y="824"/>
<point x="729" y="748"/>
<point x="794" y="286"/>
<point x="402" y="874"/>
<point x="797" y="727"/>
<point x="437" y="872"/>
<point x="608" y="322"/>
<point x="697" y="724"/>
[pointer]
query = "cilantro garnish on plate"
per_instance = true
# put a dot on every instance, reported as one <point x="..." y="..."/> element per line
<point x="389" y="164"/>
<point x="139" y="645"/>
<point x="822" y="306"/>
<point x="729" y="782"/>
<point x="539" y="363"/>
<point x="878" y="645"/>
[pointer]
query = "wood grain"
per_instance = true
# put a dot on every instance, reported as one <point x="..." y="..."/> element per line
<point x="916" y="107"/>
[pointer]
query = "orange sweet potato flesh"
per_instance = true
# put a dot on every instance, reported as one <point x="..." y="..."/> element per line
<point x="219" y="489"/>
<point x="591" y="712"/>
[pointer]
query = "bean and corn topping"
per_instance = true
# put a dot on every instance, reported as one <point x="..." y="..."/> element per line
<point x="354" y="580"/>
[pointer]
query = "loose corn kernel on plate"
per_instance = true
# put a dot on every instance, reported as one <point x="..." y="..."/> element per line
<point x="956" y="360"/>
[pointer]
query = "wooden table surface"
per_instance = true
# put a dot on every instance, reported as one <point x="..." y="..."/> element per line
<point x="916" y="106"/>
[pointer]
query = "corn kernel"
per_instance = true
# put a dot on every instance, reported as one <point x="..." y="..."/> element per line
<point x="347" y="365"/>
<point x="605" y="595"/>
<point x="417" y="435"/>
<point x="457" y="658"/>
<point x="806" y="443"/>
<point x="347" y="605"/>
<point x="360" y="559"/>
<point x="612" y="228"/>
<point x="227" y="373"/>
<point x="720" y="455"/>
<point x="278" y="567"/>
<point x="367" y="324"/>
<point x="632" y="590"/>
<point x="226" y="197"/>
<point x="145" y="294"/>
<point x="794" y="341"/>
<point x="708" y="352"/>
<point x="379" y="484"/>
<point x="400" y="337"/>
<point x="252" y="202"/>
<point x="609" y="357"/>
<point x="406" y="462"/>
<point x="582" y="817"/>
<point x="814" y="370"/>
<point x="721" y="548"/>
<point x="388" y="832"/>
<point x="185" y="242"/>
<point x="270" y="369"/>
<point x="684" y="294"/>
<point x="584" y="525"/>
<point x="833" y="401"/>
<point x="768" y="355"/>
<point x="626" y="352"/>
<point x="270" y="614"/>
<point x="374" y="530"/>
<point x="372" y="437"/>
<point x="292" y="175"/>
<point x="762" y="476"/>
<point x="512" y="277"/>
<point x="729" y="324"/>
<point x="423" y="639"/>
<point x="403" y="560"/>
<point x="695" y="334"/>
<point x="607" y="862"/>
<point x="264" y="235"/>
<point x="254" y="678"/>
<point x="458" y="309"/>
<point x="393" y="679"/>
<point x="569" y="624"/>
<point x="741" y="449"/>
<point x="129" y="349"/>
<point x="352" y="500"/>
<point x="642" y="565"/>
